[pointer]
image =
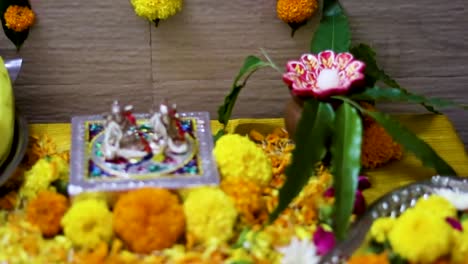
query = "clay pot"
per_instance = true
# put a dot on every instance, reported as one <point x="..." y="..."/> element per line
<point x="292" y="114"/>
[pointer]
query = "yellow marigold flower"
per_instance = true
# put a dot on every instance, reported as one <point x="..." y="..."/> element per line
<point x="420" y="236"/>
<point x="381" y="227"/>
<point x="149" y="219"/>
<point x="156" y="9"/>
<point x="460" y="248"/>
<point x="296" y="11"/>
<point x="239" y="158"/>
<point x="437" y="206"/>
<point x="19" y="18"/>
<point x="38" y="178"/>
<point x="46" y="212"/>
<point x="88" y="223"/>
<point x="210" y="214"/>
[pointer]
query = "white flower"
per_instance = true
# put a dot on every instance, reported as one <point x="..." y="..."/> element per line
<point x="457" y="198"/>
<point x="299" y="252"/>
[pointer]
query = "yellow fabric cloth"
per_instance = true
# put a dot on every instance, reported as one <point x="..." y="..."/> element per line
<point x="436" y="130"/>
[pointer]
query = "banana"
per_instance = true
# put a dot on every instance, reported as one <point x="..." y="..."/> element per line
<point x="7" y="112"/>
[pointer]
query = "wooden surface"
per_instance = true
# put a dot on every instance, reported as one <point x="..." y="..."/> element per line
<point x="83" y="54"/>
<point x="435" y="130"/>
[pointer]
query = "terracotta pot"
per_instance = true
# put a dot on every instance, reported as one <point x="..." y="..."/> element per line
<point x="292" y="114"/>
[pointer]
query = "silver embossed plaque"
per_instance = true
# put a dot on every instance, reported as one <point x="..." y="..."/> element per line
<point x="92" y="172"/>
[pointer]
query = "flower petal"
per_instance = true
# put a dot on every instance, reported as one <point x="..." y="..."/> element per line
<point x="363" y="183"/>
<point x="324" y="241"/>
<point x="359" y="204"/>
<point x="327" y="59"/>
<point x="454" y="223"/>
<point x="311" y="62"/>
<point x="342" y="60"/>
<point x="354" y="69"/>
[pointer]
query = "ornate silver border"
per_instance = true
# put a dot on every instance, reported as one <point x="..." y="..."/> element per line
<point x="78" y="184"/>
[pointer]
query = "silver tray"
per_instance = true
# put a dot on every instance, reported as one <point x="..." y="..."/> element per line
<point x="18" y="149"/>
<point x="392" y="204"/>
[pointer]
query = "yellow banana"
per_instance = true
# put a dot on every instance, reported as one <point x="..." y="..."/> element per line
<point x="7" y="112"/>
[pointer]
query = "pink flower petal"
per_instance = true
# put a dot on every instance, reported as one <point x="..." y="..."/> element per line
<point x="353" y="68"/>
<point x="359" y="204"/>
<point x="311" y="62"/>
<point x="342" y="60"/>
<point x="324" y="241"/>
<point x="330" y="192"/>
<point x="327" y="59"/>
<point x="454" y="223"/>
<point x="363" y="183"/>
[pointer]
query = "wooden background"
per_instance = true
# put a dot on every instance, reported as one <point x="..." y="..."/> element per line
<point x="83" y="54"/>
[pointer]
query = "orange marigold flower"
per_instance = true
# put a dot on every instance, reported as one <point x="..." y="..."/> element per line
<point x="369" y="259"/>
<point x="46" y="211"/>
<point x="19" y="18"/>
<point x="296" y="11"/>
<point x="149" y="219"/>
<point x="248" y="199"/>
<point x="378" y="147"/>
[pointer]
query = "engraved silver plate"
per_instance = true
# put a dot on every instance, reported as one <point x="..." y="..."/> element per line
<point x="90" y="172"/>
<point x="392" y="204"/>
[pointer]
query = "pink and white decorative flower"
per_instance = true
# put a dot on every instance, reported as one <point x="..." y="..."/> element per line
<point x="323" y="75"/>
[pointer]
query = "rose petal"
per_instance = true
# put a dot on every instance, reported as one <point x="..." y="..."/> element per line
<point x="329" y="193"/>
<point x="454" y="223"/>
<point x="359" y="204"/>
<point x="324" y="241"/>
<point x="327" y="59"/>
<point x="311" y="62"/>
<point x="363" y="183"/>
<point x="342" y="60"/>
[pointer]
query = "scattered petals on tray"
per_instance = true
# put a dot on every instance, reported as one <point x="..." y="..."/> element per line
<point x="435" y="230"/>
<point x="213" y="224"/>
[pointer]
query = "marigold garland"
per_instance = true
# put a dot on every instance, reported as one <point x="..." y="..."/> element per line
<point x="88" y="223"/>
<point x="46" y="212"/>
<point x="19" y="18"/>
<point x="149" y="219"/>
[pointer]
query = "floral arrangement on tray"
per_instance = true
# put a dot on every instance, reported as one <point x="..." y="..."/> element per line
<point x="338" y="85"/>
<point x="435" y="230"/>
<point x="17" y="18"/>
<point x="41" y="223"/>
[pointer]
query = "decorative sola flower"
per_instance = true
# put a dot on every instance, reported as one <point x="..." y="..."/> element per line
<point x="323" y="75"/>
<point x="299" y="252"/>
<point x="155" y="10"/>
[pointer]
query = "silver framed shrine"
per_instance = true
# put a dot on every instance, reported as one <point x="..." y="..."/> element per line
<point x="100" y="163"/>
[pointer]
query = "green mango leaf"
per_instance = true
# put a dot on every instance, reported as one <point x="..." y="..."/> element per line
<point x="251" y="64"/>
<point x="312" y="136"/>
<point x="373" y="73"/>
<point x="345" y="165"/>
<point x="17" y="38"/>
<point x="397" y="95"/>
<point x="333" y="32"/>
<point x="407" y="139"/>
<point x="218" y="135"/>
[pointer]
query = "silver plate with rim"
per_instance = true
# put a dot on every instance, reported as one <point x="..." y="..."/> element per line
<point x="392" y="204"/>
